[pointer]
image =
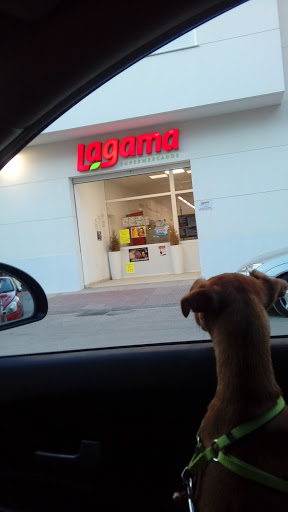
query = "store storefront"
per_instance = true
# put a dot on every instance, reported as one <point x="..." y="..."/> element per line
<point x="193" y="137"/>
<point x="140" y="208"/>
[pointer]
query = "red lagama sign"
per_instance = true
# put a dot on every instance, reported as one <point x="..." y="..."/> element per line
<point x="128" y="147"/>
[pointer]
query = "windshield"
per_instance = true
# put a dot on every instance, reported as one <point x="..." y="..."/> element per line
<point x="6" y="285"/>
<point x="175" y="170"/>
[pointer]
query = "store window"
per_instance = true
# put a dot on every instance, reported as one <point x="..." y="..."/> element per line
<point x="141" y="185"/>
<point x="148" y="204"/>
<point x="185" y="205"/>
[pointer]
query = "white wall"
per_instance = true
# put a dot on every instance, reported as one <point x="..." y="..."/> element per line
<point x="155" y="266"/>
<point x="38" y="224"/>
<point x="191" y="256"/>
<point x="238" y="56"/>
<point x="162" y="264"/>
<point x="92" y="217"/>
<point x="238" y="161"/>
<point x="244" y="174"/>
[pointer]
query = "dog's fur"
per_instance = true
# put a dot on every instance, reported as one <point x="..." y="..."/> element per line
<point x="233" y="309"/>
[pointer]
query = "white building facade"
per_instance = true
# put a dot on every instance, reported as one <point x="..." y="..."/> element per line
<point x="212" y="104"/>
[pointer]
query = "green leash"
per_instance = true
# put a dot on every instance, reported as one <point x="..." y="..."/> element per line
<point x="217" y="453"/>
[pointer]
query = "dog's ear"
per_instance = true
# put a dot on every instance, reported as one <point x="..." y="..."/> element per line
<point x="201" y="299"/>
<point x="274" y="287"/>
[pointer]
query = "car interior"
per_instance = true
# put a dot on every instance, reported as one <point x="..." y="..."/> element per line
<point x="110" y="428"/>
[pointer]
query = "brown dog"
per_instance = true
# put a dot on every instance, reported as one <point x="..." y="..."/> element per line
<point x="233" y="309"/>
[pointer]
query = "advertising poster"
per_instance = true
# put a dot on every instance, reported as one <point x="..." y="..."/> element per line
<point x="138" y="232"/>
<point x="138" y="220"/>
<point x="161" y="230"/>
<point x="125" y="222"/>
<point x="124" y="236"/>
<point x="141" y="254"/>
<point x="162" y="250"/>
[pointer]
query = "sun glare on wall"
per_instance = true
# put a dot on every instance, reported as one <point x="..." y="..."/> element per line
<point x="13" y="168"/>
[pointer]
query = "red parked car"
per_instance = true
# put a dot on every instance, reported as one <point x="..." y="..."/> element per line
<point x="11" y="307"/>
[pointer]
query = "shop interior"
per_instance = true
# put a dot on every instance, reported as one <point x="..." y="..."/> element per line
<point x="147" y="204"/>
<point x="144" y="205"/>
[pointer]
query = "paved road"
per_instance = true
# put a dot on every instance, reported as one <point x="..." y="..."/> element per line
<point x="112" y="317"/>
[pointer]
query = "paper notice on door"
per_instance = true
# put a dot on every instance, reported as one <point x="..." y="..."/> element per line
<point x="130" y="269"/>
<point x="204" y="205"/>
<point x="124" y="236"/>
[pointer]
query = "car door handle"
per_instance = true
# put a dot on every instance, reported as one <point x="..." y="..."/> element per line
<point x="88" y="457"/>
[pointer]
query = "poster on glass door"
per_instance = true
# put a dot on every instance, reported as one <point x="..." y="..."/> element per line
<point x="139" y="254"/>
<point x="138" y="232"/>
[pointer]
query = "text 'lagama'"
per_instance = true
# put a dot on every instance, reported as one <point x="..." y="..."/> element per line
<point x="107" y="155"/>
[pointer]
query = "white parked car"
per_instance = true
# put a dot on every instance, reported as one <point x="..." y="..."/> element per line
<point x="273" y="264"/>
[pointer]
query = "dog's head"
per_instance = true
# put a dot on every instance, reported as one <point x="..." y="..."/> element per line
<point x="230" y="293"/>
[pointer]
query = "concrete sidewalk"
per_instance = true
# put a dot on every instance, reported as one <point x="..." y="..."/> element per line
<point x="124" y="294"/>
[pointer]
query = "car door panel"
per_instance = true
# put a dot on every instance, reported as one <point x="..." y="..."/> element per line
<point x="108" y="428"/>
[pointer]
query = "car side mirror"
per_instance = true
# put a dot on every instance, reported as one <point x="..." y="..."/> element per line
<point x="22" y="299"/>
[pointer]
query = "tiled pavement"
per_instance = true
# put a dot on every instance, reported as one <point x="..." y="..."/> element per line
<point x="90" y="301"/>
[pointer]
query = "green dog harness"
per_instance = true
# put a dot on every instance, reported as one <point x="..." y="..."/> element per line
<point x="217" y="452"/>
